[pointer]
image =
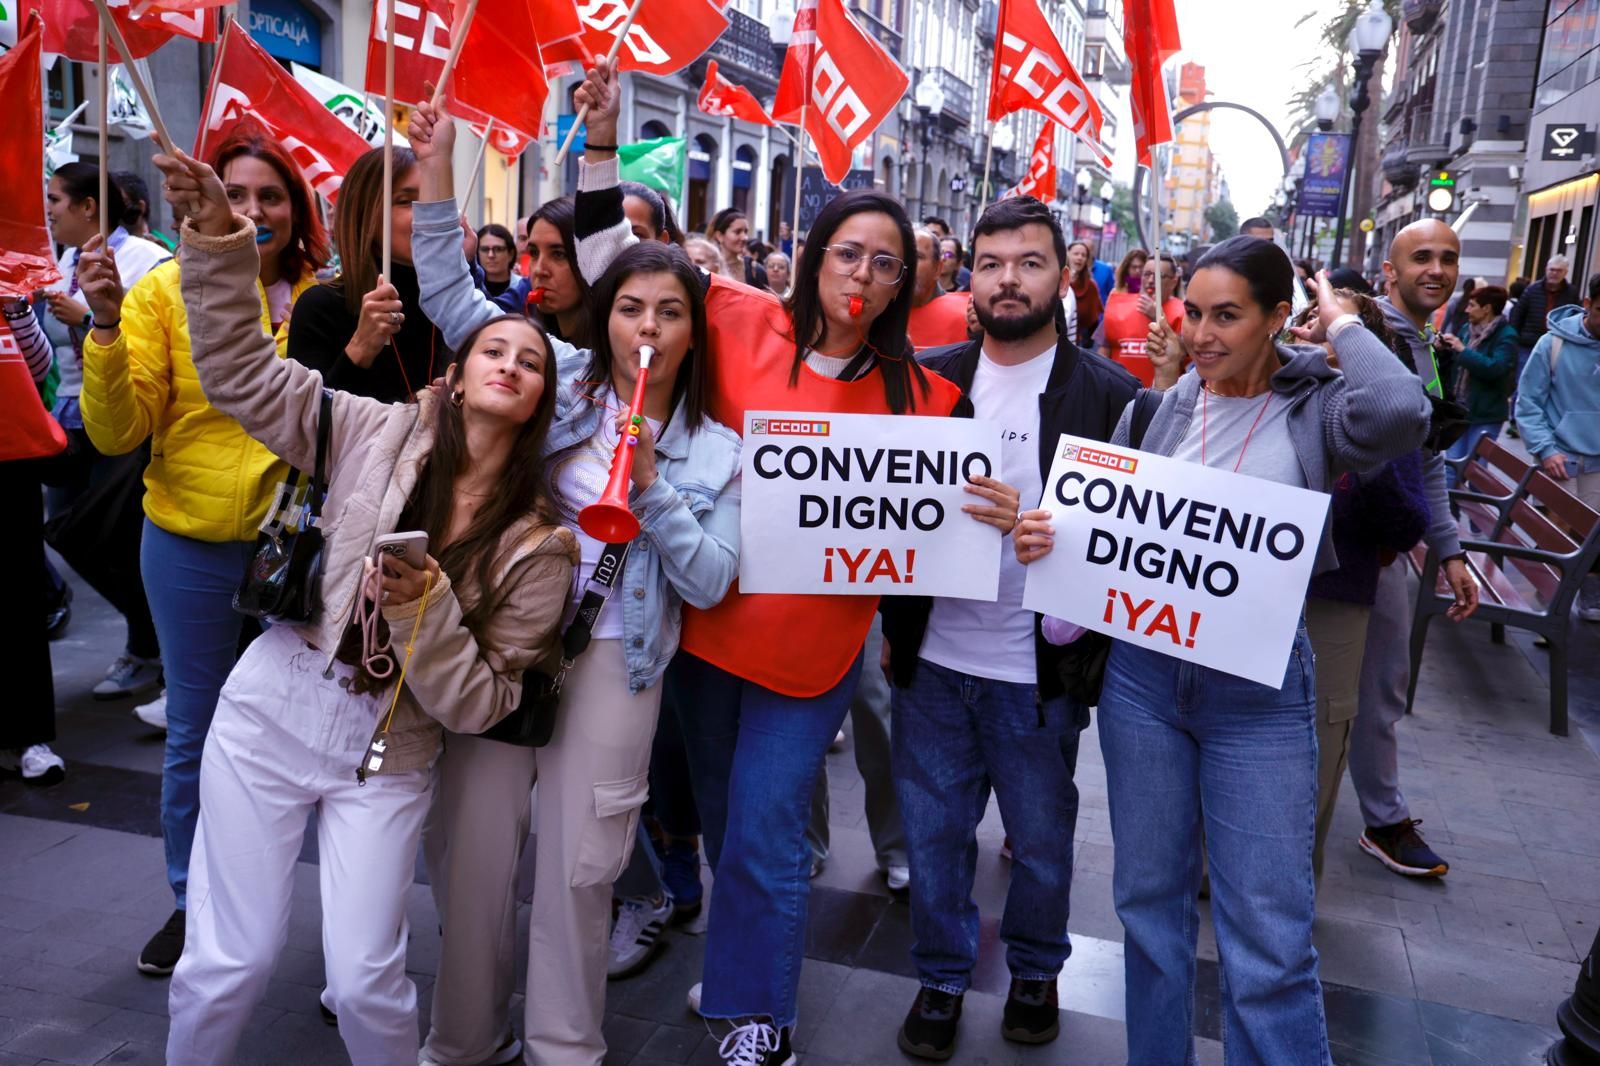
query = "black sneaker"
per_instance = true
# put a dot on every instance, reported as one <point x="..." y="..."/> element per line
<point x="1033" y="1014"/>
<point x="756" y="1043"/>
<point x="160" y="957"/>
<point x="929" y="1031"/>
<point x="1401" y="848"/>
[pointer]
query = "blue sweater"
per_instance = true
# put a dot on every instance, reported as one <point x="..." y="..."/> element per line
<point x="1562" y="414"/>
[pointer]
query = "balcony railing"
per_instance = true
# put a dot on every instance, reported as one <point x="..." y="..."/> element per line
<point x="1427" y="137"/>
<point x="957" y="95"/>
<point x="1420" y="15"/>
<point x="746" y="45"/>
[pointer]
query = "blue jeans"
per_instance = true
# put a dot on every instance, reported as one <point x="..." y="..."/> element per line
<point x="1184" y="743"/>
<point x="190" y="584"/>
<point x="755" y="755"/>
<point x="955" y="736"/>
<point x="1469" y="440"/>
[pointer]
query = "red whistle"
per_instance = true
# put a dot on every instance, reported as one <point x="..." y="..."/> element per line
<point x="855" y="307"/>
<point x="536" y="296"/>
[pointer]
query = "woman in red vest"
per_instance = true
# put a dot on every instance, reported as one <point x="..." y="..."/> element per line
<point x="1129" y="315"/>
<point x="762" y="682"/>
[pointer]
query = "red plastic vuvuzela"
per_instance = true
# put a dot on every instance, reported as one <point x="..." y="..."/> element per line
<point x="609" y="519"/>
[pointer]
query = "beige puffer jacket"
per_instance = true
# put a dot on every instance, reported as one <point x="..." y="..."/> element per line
<point x="376" y="451"/>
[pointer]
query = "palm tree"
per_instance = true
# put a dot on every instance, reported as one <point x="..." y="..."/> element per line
<point x="1364" y="157"/>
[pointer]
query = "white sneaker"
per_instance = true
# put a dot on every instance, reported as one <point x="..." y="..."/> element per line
<point x="636" y="937"/>
<point x="694" y="999"/>
<point x="756" y="1043"/>
<point x="154" y="713"/>
<point x="838" y="742"/>
<point x="38" y="765"/>
<point x="129" y="676"/>
<point x="898" y="878"/>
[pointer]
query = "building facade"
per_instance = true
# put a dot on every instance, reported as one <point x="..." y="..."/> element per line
<point x="1459" y="111"/>
<point x="1560" y="179"/>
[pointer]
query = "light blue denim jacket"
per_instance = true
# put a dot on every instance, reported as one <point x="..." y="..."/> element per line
<point x="688" y="547"/>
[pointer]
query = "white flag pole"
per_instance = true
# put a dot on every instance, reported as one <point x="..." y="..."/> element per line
<point x="109" y="26"/>
<point x="388" y="149"/>
<point x="459" y="38"/>
<point x="105" y="163"/>
<point x="477" y="166"/>
<point x="611" y="60"/>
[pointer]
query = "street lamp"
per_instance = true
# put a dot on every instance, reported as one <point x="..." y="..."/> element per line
<point x="1082" y="181"/>
<point x="930" y="102"/>
<point x="1368" y="40"/>
<point x="1326" y="108"/>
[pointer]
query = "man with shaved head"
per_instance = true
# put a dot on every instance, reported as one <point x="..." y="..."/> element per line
<point x="1424" y="261"/>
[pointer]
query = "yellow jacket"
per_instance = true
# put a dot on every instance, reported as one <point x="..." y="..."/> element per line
<point x="207" y="478"/>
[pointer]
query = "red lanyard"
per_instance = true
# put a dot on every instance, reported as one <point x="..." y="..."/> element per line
<point x="1205" y="393"/>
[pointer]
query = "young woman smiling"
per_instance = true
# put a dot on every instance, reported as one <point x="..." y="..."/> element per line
<point x="308" y="720"/>
<point x="209" y="484"/>
<point x="593" y="775"/>
<point x="730" y="232"/>
<point x="763" y="682"/>
<point x="1187" y="746"/>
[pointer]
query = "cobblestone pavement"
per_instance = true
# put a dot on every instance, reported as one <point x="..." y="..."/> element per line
<point x="1467" y="970"/>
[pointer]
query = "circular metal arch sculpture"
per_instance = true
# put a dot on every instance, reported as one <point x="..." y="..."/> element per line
<point x="1139" y="172"/>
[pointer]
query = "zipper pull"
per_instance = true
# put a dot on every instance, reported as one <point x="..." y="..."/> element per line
<point x="374" y="762"/>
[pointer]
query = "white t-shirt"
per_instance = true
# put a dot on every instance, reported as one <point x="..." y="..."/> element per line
<point x="995" y="640"/>
<point x="577" y="478"/>
<point x="135" y="258"/>
<point x="1225" y="424"/>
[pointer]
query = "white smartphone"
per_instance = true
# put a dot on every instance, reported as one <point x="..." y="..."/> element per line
<point x="412" y="547"/>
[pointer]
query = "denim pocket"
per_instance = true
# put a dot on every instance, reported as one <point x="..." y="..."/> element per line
<point x="608" y="838"/>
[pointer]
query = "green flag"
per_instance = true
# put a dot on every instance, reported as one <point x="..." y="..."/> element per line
<point x="658" y="163"/>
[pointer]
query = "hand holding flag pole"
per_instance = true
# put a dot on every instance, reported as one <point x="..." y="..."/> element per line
<point x="105" y="171"/>
<point x="611" y="59"/>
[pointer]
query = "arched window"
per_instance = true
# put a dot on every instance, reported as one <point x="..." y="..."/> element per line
<point x="702" y="179"/>
<point x="744" y="172"/>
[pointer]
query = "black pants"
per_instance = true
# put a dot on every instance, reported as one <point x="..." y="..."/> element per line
<point x="112" y="568"/>
<point x="30" y="702"/>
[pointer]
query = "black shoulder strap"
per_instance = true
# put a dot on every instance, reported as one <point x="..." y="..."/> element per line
<point x="319" y="477"/>
<point x="1146" y="402"/>
<point x="576" y="637"/>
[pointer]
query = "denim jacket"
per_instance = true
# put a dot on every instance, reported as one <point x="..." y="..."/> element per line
<point x="688" y="547"/>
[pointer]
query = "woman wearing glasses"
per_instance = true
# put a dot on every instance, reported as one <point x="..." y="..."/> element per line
<point x="764" y="681"/>
<point x="495" y="249"/>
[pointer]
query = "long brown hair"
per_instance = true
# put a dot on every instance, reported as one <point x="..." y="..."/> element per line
<point x="470" y="558"/>
<point x="307" y="250"/>
<point x="358" y="223"/>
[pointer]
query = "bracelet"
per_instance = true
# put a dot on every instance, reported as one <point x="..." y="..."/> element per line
<point x="94" y="324"/>
<point x="599" y="147"/>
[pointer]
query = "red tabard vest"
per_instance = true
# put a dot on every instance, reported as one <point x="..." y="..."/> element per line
<point x="1126" y="327"/>
<point x="797" y="645"/>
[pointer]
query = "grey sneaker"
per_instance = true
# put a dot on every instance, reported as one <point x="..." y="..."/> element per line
<point x="1589" y="599"/>
<point x="130" y="676"/>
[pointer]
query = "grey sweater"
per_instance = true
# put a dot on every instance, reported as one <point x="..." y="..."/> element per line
<point x="1372" y="409"/>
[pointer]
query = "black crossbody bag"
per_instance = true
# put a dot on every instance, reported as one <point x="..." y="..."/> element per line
<point x="534" y="721"/>
<point x="284" y="576"/>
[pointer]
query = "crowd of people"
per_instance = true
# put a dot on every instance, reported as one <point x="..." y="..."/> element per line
<point x="474" y="397"/>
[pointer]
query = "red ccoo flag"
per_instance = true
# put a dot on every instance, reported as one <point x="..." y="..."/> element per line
<point x="1150" y="32"/>
<point x="249" y="88"/>
<point x="498" y="75"/>
<point x="667" y="36"/>
<point x="723" y="98"/>
<point x="1032" y="72"/>
<point x="1040" y="180"/>
<point x="841" y="109"/>
<point x="72" y="27"/>
<point x="561" y="41"/>
<point x="26" y="262"/>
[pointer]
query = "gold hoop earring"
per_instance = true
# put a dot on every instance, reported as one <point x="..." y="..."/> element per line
<point x="456" y="397"/>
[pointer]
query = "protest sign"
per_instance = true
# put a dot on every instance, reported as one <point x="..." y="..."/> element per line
<point x="1198" y="563"/>
<point x="866" y="505"/>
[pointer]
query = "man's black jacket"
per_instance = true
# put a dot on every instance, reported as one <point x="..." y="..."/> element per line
<point x="1536" y="304"/>
<point x="1085" y="396"/>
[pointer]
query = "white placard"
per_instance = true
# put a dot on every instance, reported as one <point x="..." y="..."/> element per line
<point x="866" y="505"/>
<point x="1197" y="563"/>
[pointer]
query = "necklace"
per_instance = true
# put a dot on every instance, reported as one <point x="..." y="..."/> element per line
<point x="1205" y="395"/>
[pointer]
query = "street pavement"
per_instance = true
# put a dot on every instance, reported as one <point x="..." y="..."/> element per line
<point x="1464" y="970"/>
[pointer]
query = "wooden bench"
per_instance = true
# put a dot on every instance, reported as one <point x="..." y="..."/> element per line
<point x="1528" y="565"/>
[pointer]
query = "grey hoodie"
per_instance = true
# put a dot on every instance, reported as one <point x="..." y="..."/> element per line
<point x="1372" y="409"/>
<point x="1442" y="537"/>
